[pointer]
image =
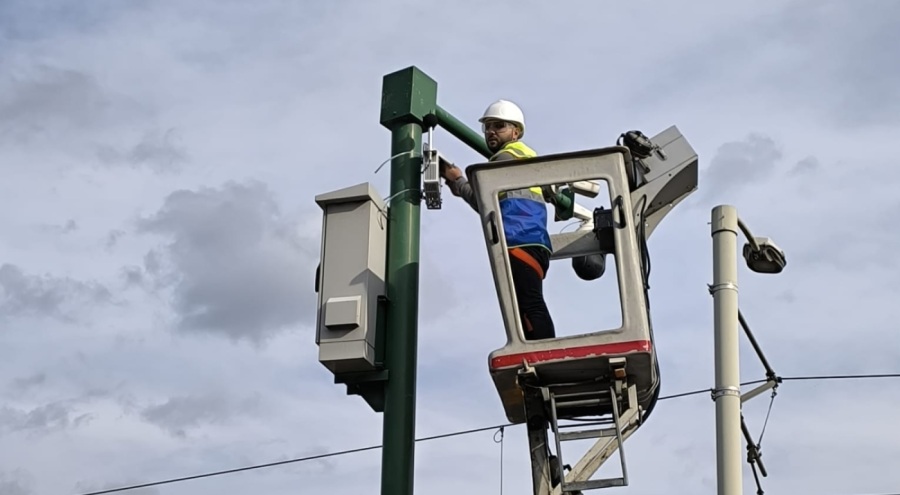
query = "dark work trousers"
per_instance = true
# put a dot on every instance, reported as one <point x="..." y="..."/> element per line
<point x="529" y="266"/>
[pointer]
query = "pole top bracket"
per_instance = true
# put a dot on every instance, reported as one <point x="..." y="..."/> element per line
<point x="408" y="96"/>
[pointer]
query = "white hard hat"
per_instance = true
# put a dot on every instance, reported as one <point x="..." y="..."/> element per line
<point x="505" y="110"/>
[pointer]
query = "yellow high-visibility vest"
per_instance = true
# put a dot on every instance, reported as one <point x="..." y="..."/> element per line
<point x="524" y="211"/>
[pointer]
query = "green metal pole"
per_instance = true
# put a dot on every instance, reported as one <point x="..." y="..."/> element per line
<point x="401" y="342"/>
<point x="462" y="132"/>
<point x="407" y="97"/>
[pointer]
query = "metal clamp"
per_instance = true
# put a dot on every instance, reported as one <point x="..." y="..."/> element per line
<point x="723" y="286"/>
<point x="735" y="391"/>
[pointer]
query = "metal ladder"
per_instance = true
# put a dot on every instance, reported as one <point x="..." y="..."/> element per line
<point x="545" y="405"/>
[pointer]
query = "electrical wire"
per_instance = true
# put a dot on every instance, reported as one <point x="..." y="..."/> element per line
<point x="686" y="394"/>
<point x="289" y="461"/>
<point x="841" y="377"/>
<point x="452" y="434"/>
<point x="788" y="378"/>
<point x="703" y="391"/>
<point x="766" y="422"/>
<point x="398" y="155"/>
<point x="500" y="441"/>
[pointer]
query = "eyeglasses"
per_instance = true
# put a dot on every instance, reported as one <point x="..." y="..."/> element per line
<point x="494" y="125"/>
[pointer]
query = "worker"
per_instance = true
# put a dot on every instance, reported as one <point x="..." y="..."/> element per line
<point x="524" y="215"/>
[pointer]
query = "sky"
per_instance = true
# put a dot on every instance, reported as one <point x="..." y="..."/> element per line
<point x="159" y="235"/>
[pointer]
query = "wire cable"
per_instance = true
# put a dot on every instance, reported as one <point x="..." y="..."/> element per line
<point x="841" y="377"/>
<point x="703" y="390"/>
<point x="398" y="155"/>
<point x="766" y="422"/>
<point x="500" y="441"/>
<point x="452" y="434"/>
<point x="289" y="461"/>
<point x="788" y="378"/>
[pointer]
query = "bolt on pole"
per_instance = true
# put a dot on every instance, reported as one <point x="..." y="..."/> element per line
<point x="727" y="393"/>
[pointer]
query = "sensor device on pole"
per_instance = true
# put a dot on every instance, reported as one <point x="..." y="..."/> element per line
<point x="431" y="176"/>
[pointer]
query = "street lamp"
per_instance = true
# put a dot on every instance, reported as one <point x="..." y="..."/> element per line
<point x="762" y="256"/>
<point x="761" y="253"/>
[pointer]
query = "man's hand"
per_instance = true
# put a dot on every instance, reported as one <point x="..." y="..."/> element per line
<point x="449" y="171"/>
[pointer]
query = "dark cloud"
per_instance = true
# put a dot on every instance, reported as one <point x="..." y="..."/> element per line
<point x="28" y="382"/>
<point x="113" y="237"/>
<point x="807" y="165"/>
<point x="133" y="276"/>
<point x="788" y="296"/>
<point x="824" y="58"/>
<point x="52" y="102"/>
<point x="842" y="68"/>
<point x="41" y="419"/>
<point x="53" y="94"/>
<point x="739" y="163"/>
<point x="46" y="296"/>
<point x="158" y="151"/>
<point x="17" y="482"/>
<point x="23" y="20"/>
<point x="238" y="267"/>
<point x="178" y="414"/>
<point x="69" y="226"/>
<point x="73" y="110"/>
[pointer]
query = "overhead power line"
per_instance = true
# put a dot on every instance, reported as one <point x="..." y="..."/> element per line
<point x="289" y="461"/>
<point x="451" y="434"/>
<point x="841" y="377"/>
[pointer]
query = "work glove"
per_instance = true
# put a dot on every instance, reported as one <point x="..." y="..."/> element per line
<point x="449" y="171"/>
<point x="562" y="200"/>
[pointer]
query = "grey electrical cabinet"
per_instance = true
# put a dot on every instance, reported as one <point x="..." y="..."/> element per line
<point x="350" y="278"/>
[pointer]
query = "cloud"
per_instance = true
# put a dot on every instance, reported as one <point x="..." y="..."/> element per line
<point x="737" y="164"/>
<point x="68" y="227"/>
<point x="161" y="152"/>
<point x="238" y="267"/>
<point x="42" y="419"/>
<point x="46" y="296"/>
<point x="31" y="20"/>
<point x="178" y="414"/>
<point x="213" y="88"/>
<point x="79" y="115"/>
<point x="133" y="276"/>
<point x="807" y="165"/>
<point x="824" y="60"/>
<point x="112" y="238"/>
<point x="28" y="382"/>
<point x="843" y="65"/>
<point x="17" y="482"/>
<point x="51" y="101"/>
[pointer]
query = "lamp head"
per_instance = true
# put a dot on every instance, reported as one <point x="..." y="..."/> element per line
<point x="767" y="258"/>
